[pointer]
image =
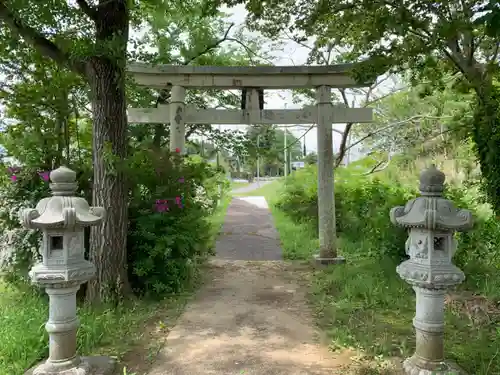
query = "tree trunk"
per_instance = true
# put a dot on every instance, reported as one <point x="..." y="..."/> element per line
<point x="106" y="76"/>
<point x="159" y="134"/>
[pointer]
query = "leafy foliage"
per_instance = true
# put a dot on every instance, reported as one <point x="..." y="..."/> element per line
<point x="372" y="196"/>
<point x="418" y="122"/>
<point x="32" y="143"/>
<point x="355" y="197"/>
<point x="63" y="60"/>
<point x="165" y="247"/>
<point x="19" y="246"/>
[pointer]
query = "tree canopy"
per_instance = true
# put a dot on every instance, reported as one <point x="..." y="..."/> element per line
<point x="428" y="40"/>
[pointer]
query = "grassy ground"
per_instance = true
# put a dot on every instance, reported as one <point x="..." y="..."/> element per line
<point x="238" y="184"/>
<point x="366" y="306"/>
<point x="133" y="332"/>
<point x="267" y="189"/>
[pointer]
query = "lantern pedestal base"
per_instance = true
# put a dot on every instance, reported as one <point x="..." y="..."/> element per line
<point x="319" y="261"/>
<point x="88" y="366"/>
<point x="417" y="366"/>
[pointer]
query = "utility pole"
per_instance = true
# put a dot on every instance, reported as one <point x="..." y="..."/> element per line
<point x="218" y="149"/>
<point x="286" y="153"/>
<point x="285" y="149"/>
<point x="258" y="160"/>
<point x="348" y="154"/>
<point x="219" y="187"/>
<point x="304" y="151"/>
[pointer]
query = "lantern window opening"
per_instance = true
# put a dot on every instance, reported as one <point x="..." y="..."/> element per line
<point x="439" y="242"/>
<point x="56" y="243"/>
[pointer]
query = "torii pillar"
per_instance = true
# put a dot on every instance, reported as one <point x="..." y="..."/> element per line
<point x="177" y="119"/>
<point x="326" y="197"/>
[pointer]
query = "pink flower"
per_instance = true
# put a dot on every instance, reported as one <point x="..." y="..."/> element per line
<point x="13" y="177"/>
<point x="44" y="175"/>
<point x="162" y="207"/>
<point x="178" y="202"/>
<point x="181" y="180"/>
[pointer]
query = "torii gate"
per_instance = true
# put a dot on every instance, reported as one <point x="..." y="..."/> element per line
<point x="252" y="78"/>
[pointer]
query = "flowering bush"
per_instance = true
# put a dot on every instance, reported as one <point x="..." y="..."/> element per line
<point x="171" y="200"/>
<point x="19" y="247"/>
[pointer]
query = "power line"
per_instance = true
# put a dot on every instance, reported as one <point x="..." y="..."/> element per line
<point x="298" y="139"/>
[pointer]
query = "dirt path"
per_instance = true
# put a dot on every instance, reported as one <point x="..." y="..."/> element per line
<point x="250" y="317"/>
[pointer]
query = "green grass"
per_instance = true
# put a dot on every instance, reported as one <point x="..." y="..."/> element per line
<point x="365" y="305"/>
<point x="114" y="331"/>
<point x="217" y="219"/>
<point x="238" y="184"/>
<point x="266" y="190"/>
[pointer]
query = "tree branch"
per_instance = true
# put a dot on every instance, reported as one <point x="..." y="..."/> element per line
<point x="88" y="9"/>
<point x="345" y="134"/>
<point x="211" y="46"/>
<point x="37" y="40"/>
<point x="164" y="95"/>
<point x="378" y="167"/>
<point x="410" y="119"/>
<point x="249" y="50"/>
<point x="343" y="142"/>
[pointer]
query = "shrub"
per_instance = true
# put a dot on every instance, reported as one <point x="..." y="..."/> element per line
<point x="19" y="246"/>
<point x="355" y="197"/>
<point x="165" y="247"/>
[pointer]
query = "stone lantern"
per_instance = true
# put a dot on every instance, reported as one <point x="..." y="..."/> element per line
<point x="62" y="219"/>
<point x="431" y="220"/>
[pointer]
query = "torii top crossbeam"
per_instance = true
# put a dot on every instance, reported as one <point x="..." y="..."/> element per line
<point x="234" y="77"/>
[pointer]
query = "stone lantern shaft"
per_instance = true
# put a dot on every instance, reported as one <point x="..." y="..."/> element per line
<point x="432" y="221"/>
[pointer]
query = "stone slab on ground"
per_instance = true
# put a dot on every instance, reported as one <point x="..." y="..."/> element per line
<point x="250" y="317"/>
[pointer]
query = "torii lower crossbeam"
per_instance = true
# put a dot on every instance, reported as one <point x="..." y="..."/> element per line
<point x="193" y="115"/>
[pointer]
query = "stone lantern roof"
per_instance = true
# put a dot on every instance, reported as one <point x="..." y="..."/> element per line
<point x="63" y="209"/>
<point x="431" y="210"/>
